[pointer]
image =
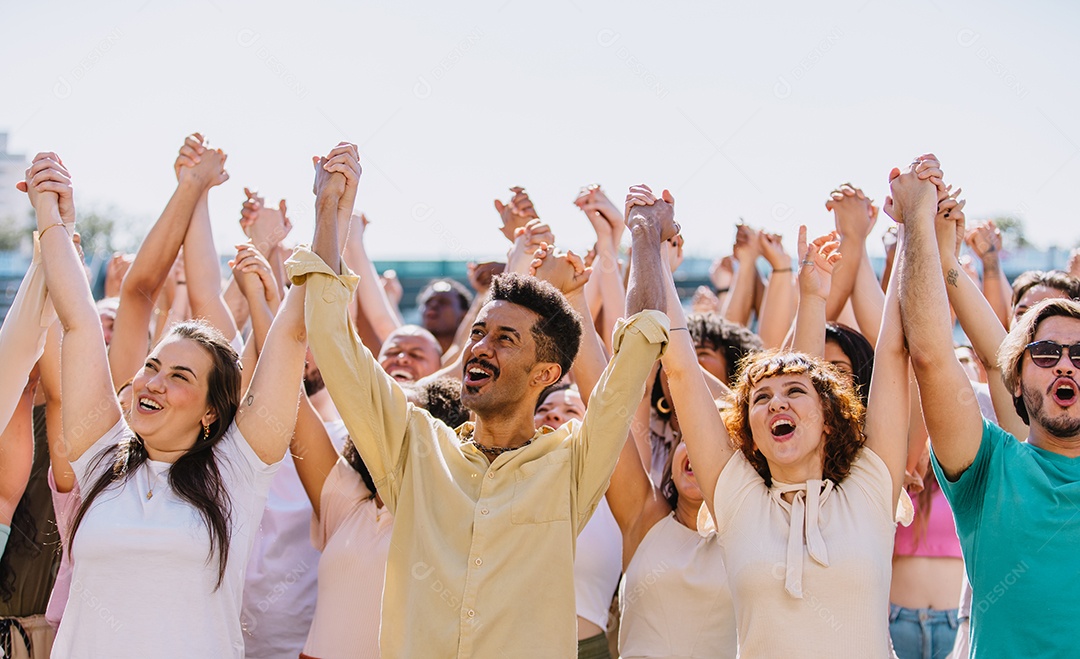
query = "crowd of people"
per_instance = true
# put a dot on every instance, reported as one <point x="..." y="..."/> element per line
<point x="559" y="460"/>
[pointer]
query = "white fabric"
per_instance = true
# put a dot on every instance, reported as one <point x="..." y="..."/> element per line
<point x="841" y="595"/>
<point x="143" y="580"/>
<point x="280" y="584"/>
<point x="675" y="599"/>
<point x="597" y="566"/>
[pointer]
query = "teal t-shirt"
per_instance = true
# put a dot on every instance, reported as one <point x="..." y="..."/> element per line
<point x="1017" y="510"/>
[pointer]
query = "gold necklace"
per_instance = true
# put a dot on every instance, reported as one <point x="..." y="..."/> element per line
<point x="153" y="483"/>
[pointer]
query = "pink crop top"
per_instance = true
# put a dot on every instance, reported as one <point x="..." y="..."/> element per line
<point x="939" y="539"/>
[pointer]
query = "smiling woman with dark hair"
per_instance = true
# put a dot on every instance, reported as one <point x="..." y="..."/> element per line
<point x="173" y="494"/>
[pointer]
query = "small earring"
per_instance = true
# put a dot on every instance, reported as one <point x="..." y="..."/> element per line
<point x="205" y="433"/>
<point x="662" y="406"/>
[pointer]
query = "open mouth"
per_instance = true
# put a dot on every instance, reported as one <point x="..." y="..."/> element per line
<point x="478" y="373"/>
<point x="149" y="405"/>
<point x="401" y="374"/>
<point x="1064" y="392"/>
<point x="687" y="469"/>
<point x="782" y="429"/>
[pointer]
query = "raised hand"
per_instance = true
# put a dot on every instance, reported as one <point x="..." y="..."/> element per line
<point x="747" y="246"/>
<point x="115" y="270"/>
<point x="674" y="252"/>
<point x="853" y="212"/>
<point x="984" y="239"/>
<point x="48" y="182"/>
<point x="527" y="240"/>
<point x="722" y="272"/>
<point x="816" y="263"/>
<point x="391" y="285"/>
<point x="199" y="164"/>
<point x="345" y="159"/>
<point x="253" y="275"/>
<point x="563" y="270"/>
<point x="1074" y="262"/>
<point x="601" y="212"/>
<point x="916" y="189"/>
<point x="950" y="221"/>
<point x="516" y="213"/>
<point x="481" y="274"/>
<point x="771" y="246"/>
<point x="644" y="209"/>
<point x="266" y="227"/>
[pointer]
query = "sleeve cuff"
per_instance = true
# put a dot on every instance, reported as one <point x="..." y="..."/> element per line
<point x="304" y="263"/>
<point x="650" y="324"/>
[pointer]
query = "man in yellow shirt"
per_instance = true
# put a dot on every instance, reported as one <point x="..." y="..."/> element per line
<point x="486" y="517"/>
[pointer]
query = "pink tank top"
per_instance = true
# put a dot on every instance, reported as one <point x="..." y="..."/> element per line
<point x="939" y="539"/>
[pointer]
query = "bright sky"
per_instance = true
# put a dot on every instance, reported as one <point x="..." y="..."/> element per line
<point x="743" y="109"/>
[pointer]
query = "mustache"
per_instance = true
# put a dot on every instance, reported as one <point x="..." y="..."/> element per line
<point x="1054" y="384"/>
<point x="483" y="364"/>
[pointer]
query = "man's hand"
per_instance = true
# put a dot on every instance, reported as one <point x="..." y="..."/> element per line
<point x="516" y="213"/>
<point x="816" y="263"/>
<point x="328" y="187"/>
<point x="198" y="164"/>
<point x="645" y="210"/>
<point x="565" y="271"/>
<point x="674" y="252"/>
<point x="854" y="213"/>
<point x="345" y="159"/>
<point x="915" y="190"/>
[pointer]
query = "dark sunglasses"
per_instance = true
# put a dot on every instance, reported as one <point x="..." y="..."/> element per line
<point x="1047" y="354"/>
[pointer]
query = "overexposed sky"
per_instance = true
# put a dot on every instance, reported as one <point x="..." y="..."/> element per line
<point x="743" y="109"/>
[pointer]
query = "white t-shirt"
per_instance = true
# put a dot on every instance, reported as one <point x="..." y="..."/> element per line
<point x="597" y="566"/>
<point x="280" y="583"/>
<point x="143" y="580"/>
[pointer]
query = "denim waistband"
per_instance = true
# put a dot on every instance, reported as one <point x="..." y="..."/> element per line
<point x="929" y="615"/>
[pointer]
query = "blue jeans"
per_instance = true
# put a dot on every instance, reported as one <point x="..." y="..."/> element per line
<point x="922" y="633"/>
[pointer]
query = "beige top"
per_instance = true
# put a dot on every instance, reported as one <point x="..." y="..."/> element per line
<point x="353" y="534"/>
<point x="675" y="598"/>
<point x="810" y="577"/>
<point x="481" y="560"/>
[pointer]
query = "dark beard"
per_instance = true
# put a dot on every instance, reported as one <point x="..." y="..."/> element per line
<point x="1062" y="427"/>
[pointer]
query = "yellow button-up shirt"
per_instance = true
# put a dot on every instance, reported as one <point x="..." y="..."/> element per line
<point x="481" y="556"/>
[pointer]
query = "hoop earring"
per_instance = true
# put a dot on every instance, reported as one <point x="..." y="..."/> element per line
<point x="662" y="406"/>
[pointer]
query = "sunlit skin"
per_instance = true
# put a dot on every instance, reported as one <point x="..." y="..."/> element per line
<point x="558" y="408"/>
<point x="175" y="378"/>
<point x="410" y="353"/>
<point x="838" y="358"/>
<point x="1051" y="395"/>
<point x="1033" y="296"/>
<point x="690" y="497"/>
<point x="108" y="320"/>
<point x="499" y="362"/>
<point x="795" y="451"/>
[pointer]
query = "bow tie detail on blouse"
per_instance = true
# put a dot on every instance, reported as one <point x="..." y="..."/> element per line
<point x="804" y="508"/>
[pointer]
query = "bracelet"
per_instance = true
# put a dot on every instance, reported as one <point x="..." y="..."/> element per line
<point x="41" y="234"/>
<point x="725" y="289"/>
<point x="676" y="329"/>
<point x="181" y="283"/>
<point x="787" y="269"/>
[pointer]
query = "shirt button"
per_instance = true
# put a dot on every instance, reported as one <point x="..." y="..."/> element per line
<point x="491" y="474"/>
<point x="484" y="511"/>
<point x="479" y="561"/>
<point x="471" y="613"/>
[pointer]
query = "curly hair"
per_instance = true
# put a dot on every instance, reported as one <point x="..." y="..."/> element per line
<point x="841" y="409"/>
<point x="557" y="332"/>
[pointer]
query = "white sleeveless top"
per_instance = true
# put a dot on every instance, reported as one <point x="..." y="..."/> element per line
<point x="809" y="578"/>
<point x="597" y="566"/>
<point x="675" y="598"/>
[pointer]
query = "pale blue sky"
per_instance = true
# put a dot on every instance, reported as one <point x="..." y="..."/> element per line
<point x="741" y="108"/>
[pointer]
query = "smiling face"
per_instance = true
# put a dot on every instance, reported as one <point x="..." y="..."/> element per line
<point x="682" y="474"/>
<point x="169" y="396"/>
<point x="558" y="408"/>
<point x="500" y="373"/>
<point x="410" y="353"/>
<point x="441" y="312"/>
<point x="787" y="426"/>
<point x="1051" y="394"/>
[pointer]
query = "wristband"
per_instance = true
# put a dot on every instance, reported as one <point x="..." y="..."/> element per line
<point x="776" y="270"/>
<point x="42" y="233"/>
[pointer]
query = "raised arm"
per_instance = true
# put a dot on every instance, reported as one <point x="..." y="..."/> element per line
<point x="203" y="271"/>
<point x="90" y="408"/>
<point x="816" y="266"/>
<point x="16" y="454"/>
<point x="778" y="307"/>
<point x="952" y="416"/>
<point x="985" y="240"/>
<point x="740" y="299"/>
<point x="369" y="290"/>
<point x="312" y="452"/>
<point x="888" y="409"/>
<point x="608" y="224"/>
<point x="255" y="279"/>
<point x="196" y="169"/>
<point x="854" y="215"/>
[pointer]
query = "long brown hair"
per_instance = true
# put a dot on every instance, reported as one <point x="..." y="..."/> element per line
<point x="195" y="476"/>
<point x="841" y="408"/>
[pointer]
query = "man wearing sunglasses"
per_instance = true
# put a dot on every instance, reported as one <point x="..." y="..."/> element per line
<point x="1016" y="503"/>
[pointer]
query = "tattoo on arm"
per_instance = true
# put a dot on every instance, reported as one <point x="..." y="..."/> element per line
<point x="950" y="277"/>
